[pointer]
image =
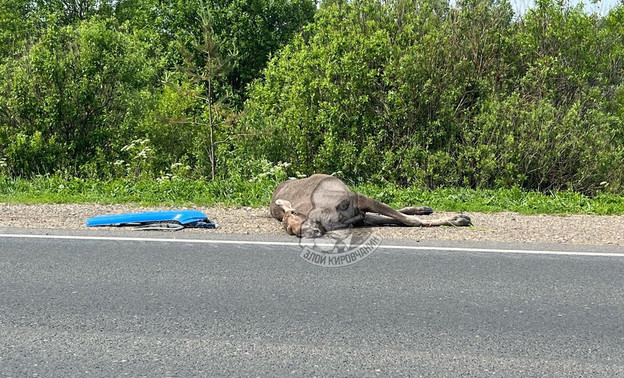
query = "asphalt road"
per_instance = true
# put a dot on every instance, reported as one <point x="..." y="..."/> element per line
<point x="104" y="307"/>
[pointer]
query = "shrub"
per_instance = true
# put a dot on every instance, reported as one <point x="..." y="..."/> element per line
<point x="74" y="97"/>
<point x="423" y="93"/>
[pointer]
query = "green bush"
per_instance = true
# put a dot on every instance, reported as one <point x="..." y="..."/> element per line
<point x="73" y="99"/>
<point x="421" y="93"/>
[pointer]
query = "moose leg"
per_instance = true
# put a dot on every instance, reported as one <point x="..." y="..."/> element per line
<point x="382" y="220"/>
<point x="369" y="205"/>
<point x="421" y="210"/>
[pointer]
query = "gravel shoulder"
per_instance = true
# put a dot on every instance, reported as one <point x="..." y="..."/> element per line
<point x="496" y="227"/>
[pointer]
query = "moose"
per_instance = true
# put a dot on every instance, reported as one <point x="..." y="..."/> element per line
<point x="310" y="207"/>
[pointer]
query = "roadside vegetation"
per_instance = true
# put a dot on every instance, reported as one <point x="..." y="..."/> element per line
<point x="257" y="193"/>
<point x="464" y="106"/>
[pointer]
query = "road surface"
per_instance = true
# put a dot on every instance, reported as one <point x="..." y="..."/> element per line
<point x="148" y="305"/>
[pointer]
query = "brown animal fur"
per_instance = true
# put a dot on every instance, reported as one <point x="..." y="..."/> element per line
<point x="312" y="206"/>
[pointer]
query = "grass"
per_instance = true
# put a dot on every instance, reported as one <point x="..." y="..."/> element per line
<point x="180" y="192"/>
<point x="497" y="200"/>
<point x="145" y="192"/>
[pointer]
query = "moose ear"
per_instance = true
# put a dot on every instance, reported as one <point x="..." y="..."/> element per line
<point x="284" y="204"/>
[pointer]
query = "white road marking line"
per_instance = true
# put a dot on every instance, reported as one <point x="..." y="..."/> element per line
<point x="293" y="244"/>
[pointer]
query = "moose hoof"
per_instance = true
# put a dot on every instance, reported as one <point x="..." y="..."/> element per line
<point x="461" y="220"/>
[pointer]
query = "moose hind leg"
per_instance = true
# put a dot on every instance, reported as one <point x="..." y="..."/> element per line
<point x="421" y="210"/>
<point x="382" y="220"/>
<point x="369" y="205"/>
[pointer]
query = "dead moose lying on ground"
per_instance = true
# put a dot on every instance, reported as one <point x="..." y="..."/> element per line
<point x="312" y="206"/>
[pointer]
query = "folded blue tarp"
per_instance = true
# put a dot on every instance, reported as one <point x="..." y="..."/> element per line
<point x="155" y="220"/>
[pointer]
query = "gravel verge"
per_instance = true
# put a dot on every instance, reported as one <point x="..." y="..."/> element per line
<point x="495" y="227"/>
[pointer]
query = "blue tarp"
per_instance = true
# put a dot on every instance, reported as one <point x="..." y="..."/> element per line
<point x="184" y="218"/>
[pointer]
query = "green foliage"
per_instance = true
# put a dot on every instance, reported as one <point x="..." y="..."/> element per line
<point x="376" y="90"/>
<point x="421" y="93"/>
<point x="256" y="192"/>
<point x="14" y="26"/>
<point x="84" y="80"/>
<point x="72" y="99"/>
<point x="177" y="128"/>
<point x="559" y="127"/>
<point x="426" y="93"/>
<point x="24" y="21"/>
<point x="255" y="29"/>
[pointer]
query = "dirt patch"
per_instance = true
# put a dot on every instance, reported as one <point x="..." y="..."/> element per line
<point x="502" y="227"/>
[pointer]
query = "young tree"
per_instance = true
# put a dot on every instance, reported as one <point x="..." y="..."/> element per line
<point x="205" y="73"/>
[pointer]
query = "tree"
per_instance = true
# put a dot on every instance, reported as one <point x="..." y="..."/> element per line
<point x="256" y="29"/>
<point x="214" y="66"/>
